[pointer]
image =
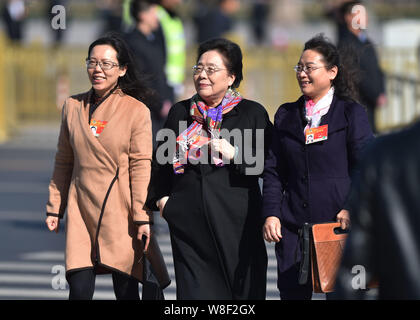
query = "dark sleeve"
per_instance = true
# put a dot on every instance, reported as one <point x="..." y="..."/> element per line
<point x="359" y="135"/>
<point x="372" y="79"/>
<point x="162" y="169"/>
<point x="358" y="268"/>
<point x="254" y="148"/>
<point x="272" y="185"/>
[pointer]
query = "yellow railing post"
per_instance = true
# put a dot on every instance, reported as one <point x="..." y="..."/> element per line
<point x="3" y="122"/>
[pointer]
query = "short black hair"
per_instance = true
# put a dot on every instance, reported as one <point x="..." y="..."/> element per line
<point x="137" y="6"/>
<point x="346" y="8"/>
<point x="231" y="53"/>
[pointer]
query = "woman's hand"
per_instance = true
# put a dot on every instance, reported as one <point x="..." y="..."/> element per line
<point x="144" y="230"/>
<point x="272" y="229"/>
<point x="161" y="203"/>
<point x="53" y="223"/>
<point x="343" y="217"/>
<point x="224" y="147"/>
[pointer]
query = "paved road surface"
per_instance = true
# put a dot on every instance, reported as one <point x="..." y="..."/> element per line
<point x="32" y="258"/>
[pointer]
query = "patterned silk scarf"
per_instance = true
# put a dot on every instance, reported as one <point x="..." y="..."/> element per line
<point x="191" y="140"/>
<point x="314" y="111"/>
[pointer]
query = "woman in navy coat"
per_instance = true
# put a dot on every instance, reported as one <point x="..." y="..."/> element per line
<point x="316" y="144"/>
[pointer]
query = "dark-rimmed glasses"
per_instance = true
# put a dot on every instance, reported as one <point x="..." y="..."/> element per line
<point x="298" y="68"/>
<point x="209" y="70"/>
<point x="104" y="65"/>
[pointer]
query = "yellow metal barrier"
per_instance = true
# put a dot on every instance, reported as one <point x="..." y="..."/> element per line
<point x="34" y="81"/>
<point x="268" y="75"/>
<point x="3" y="122"/>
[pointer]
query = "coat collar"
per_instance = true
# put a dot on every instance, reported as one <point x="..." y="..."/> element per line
<point x="335" y="118"/>
<point x="231" y="113"/>
<point x="96" y="142"/>
<point x="292" y="122"/>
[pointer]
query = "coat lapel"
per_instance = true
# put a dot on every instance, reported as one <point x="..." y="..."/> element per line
<point x="106" y="109"/>
<point x="94" y="142"/>
<point x="232" y="113"/>
<point x="335" y="117"/>
<point x="292" y="122"/>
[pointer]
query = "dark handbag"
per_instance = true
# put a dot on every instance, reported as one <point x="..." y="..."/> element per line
<point x="322" y="248"/>
<point x="305" y="262"/>
<point x="151" y="287"/>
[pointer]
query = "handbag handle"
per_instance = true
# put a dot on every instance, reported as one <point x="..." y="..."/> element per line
<point x="327" y="232"/>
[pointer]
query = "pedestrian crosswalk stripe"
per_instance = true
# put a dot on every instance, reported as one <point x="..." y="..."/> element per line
<point x="26" y="266"/>
<point x="48" y="293"/>
<point x="31" y="276"/>
<point x="44" y="256"/>
<point x="31" y="279"/>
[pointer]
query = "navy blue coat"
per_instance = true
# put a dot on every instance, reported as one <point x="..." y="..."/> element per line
<point x="310" y="183"/>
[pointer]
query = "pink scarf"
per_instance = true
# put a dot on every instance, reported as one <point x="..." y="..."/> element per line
<point x="315" y="111"/>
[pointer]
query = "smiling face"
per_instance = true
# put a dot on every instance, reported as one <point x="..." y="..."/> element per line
<point x="315" y="83"/>
<point x="103" y="81"/>
<point x="212" y="88"/>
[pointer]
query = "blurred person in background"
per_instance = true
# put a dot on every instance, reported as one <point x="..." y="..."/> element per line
<point x="14" y="14"/>
<point x="206" y="190"/>
<point x="259" y="18"/>
<point x="307" y="180"/>
<point x="352" y="25"/>
<point x="149" y="54"/>
<point x="111" y="12"/>
<point x="384" y="243"/>
<point x="175" y="44"/>
<point x="57" y="33"/>
<point x="101" y="175"/>
<point x="214" y="21"/>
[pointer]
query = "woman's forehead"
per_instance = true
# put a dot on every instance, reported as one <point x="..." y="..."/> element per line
<point x="104" y="51"/>
<point x="311" y="56"/>
<point x="211" y="57"/>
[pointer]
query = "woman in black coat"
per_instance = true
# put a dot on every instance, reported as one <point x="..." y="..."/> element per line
<point x="208" y="192"/>
<point x="306" y="177"/>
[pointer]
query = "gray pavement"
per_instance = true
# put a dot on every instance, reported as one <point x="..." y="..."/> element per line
<point x="31" y="257"/>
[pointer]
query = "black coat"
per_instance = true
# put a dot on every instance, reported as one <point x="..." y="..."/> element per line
<point x="214" y="215"/>
<point x="371" y="78"/>
<point x="310" y="183"/>
<point x="385" y="211"/>
<point x="149" y="55"/>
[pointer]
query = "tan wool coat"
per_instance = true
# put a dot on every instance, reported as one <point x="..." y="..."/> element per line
<point x="103" y="181"/>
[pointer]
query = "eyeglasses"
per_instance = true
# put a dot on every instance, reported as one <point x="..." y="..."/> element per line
<point x="105" y="65"/>
<point x="209" y="70"/>
<point x="306" y="69"/>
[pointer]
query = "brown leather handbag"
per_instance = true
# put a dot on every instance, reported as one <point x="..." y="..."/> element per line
<point x="327" y="247"/>
<point x="322" y="247"/>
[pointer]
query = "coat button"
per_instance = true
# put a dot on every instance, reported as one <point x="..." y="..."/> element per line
<point x="305" y="204"/>
<point x="305" y="178"/>
<point x="303" y="148"/>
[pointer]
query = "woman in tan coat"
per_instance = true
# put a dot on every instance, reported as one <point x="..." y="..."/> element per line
<point x="101" y="175"/>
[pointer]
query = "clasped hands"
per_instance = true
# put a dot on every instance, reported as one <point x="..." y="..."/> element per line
<point x="224" y="147"/>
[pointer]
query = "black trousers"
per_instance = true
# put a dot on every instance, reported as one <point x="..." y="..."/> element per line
<point x="299" y="293"/>
<point x="82" y="285"/>
<point x="294" y="290"/>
